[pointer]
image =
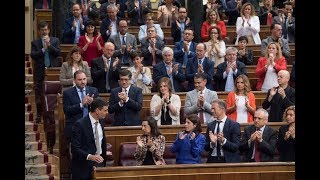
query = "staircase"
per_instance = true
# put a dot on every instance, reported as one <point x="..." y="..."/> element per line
<point x="39" y="164"/>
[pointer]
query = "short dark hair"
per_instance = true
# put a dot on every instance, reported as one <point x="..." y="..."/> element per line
<point x="99" y="103"/>
<point x="200" y="75"/>
<point x="125" y="72"/>
<point x="273" y="25"/>
<point x="241" y="38"/>
<point x="134" y="54"/>
<point x="195" y="120"/>
<point x="43" y="24"/>
<point x="90" y="22"/>
<point x="78" y="72"/>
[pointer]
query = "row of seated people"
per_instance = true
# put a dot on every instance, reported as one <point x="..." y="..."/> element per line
<point x="278" y="145"/>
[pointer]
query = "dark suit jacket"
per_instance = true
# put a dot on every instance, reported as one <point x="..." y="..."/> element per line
<point x="147" y="61"/>
<point x="159" y="71"/>
<point x="83" y="143"/>
<point x="178" y="53"/>
<point x="104" y="26"/>
<point x="286" y="148"/>
<point x="221" y="83"/>
<point x="192" y="69"/>
<point x="68" y="34"/>
<point x="277" y="105"/>
<point x="267" y="146"/>
<point x="71" y="107"/>
<point x="98" y="75"/>
<point x="231" y="131"/>
<point x="176" y="31"/>
<point x="129" y="113"/>
<point x="232" y="12"/>
<point x="38" y="56"/>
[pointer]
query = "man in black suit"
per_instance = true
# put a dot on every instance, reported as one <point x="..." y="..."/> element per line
<point x="169" y="68"/>
<point x="126" y="102"/>
<point x="44" y="53"/>
<point x="222" y="136"/>
<point x="76" y="101"/>
<point x="105" y="70"/>
<point x="259" y="140"/>
<point x="88" y="144"/>
<point x="229" y="70"/>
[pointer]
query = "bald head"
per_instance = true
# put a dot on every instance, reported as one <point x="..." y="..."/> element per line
<point x="283" y="77"/>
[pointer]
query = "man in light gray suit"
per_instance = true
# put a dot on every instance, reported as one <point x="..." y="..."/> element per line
<point x="198" y="101"/>
<point x="124" y="43"/>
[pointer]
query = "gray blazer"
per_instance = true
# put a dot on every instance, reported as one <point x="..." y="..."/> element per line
<point x="130" y="40"/>
<point x="191" y="107"/>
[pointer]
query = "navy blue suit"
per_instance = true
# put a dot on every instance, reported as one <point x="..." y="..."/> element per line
<point x="192" y="69"/>
<point x="178" y="53"/>
<point x="221" y="83"/>
<point x="68" y="34"/>
<point x="159" y="71"/>
<point x="129" y="113"/>
<point x="104" y="27"/>
<point x="71" y="107"/>
<point x="231" y="131"/>
<point x="83" y="143"/>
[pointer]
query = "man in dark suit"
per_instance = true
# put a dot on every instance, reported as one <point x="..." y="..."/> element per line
<point x="259" y="140"/>
<point x="105" y="70"/>
<point x="124" y="43"/>
<point x="44" y="53"/>
<point x="126" y="102"/>
<point x="74" y="26"/>
<point x="180" y="25"/>
<point x="185" y="49"/>
<point x="109" y="25"/>
<point x="88" y="144"/>
<point x="151" y="47"/>
<point x="222" y="136"/>
<point x="199" y="64"/>
<point x="169" y="68"/>
<point x="76" y="101"/>
<point x="229" y="70"/>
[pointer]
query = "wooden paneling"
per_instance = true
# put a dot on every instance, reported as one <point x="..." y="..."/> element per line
<point x="216" y="171"/>
<point x="42" y="15"/>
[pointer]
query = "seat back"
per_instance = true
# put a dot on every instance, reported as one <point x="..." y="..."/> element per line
<point x="51" y="91"/>
<point x="126" y="153"/>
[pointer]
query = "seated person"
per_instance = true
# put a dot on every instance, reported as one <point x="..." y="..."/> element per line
<point x="259" y="139"/>
<point x="268" y="67"/>
<point x="165" y="106"/>
<point x="244" y="55"/>
<point x="150" y="145"/>
<point x="149" y="22"/>
<point x="189" y="143"/>
<point x="241" y="103"/>
<point x="286" y="143"/>
<point x="141" y="76"/>
<point x="73" y="63"/>
<point x="229" y="70"/>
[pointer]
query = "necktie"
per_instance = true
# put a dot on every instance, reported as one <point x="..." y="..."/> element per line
<point x="107" y="75"/>
<point x="185" y="59"/>
<point x="269" y="19"/>
<point x="85" y="107"/>
<point x="123" y="42"/>
<point x="201" y="113"/>
<point x="45" y="4"/>
<point x="153" y="53"/>
<point x="218" y="143"/>
<point x="257" y="150"/>
<point x="96" y="135"/>
<point x="46" y="58"/>
<point x="284" y="28"/>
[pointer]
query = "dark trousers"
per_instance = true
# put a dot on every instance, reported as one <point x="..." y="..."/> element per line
<point x="39" y="97"/>
<point x="216" y="159"/>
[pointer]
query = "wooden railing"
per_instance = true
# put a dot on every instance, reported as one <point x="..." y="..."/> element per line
<point x="216" y="171"/>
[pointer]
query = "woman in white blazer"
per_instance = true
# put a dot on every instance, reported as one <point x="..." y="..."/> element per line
<point x="248" y="24"/>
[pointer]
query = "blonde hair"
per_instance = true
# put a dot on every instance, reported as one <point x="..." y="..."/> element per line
<point x="253" y="12"/>
<point x="284" y="117"/>
<point x="279" y="53"/>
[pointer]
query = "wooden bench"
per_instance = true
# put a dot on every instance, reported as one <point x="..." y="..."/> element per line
<point x="216" y="171"/>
